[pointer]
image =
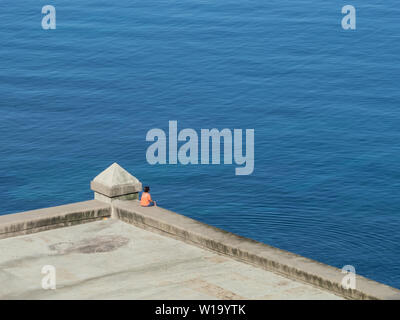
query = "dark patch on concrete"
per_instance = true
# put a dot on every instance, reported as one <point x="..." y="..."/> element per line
<point x="90" y="245"/>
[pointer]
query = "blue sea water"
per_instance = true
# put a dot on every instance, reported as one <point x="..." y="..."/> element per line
<point x="324" y="103"/>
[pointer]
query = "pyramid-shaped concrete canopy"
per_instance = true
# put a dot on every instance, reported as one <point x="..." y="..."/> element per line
<point x="115" y="181"/>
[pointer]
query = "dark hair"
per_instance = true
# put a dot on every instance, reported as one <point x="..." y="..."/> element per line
<point x="146" y="189"/>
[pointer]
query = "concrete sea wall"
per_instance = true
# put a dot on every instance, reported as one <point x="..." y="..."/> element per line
<point x="12" y="225"/>
<point x="115" y="185"/>
<point x="249" y="251"/>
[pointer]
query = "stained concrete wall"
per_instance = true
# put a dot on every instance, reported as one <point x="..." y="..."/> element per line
<point x="279" y="261"/>
<point x="177" y="226"/>
<point x="50" y="218"/>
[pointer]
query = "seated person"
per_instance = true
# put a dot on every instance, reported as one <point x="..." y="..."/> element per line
<point x="146" y="200"/>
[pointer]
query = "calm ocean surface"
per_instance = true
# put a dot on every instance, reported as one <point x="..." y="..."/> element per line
<point x="324" y="103"/>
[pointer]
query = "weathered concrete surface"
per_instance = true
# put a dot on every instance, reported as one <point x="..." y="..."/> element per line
<point x="288" y="264"/>
<point x="12" y="225"/>
<point x="115" y="182"/>
<point x="114" y="260"/>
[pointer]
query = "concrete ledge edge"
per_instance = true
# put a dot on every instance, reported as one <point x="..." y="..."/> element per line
<point x="193" y="232"/>
<point x="28" y="222"/>
<point x="282" y="262"/>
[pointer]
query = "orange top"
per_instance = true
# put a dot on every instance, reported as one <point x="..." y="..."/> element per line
<point x="146" y="199"/>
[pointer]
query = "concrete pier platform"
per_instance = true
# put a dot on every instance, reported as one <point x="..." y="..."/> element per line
<point x="112" y="248"/>
<point x="115" y="260"/>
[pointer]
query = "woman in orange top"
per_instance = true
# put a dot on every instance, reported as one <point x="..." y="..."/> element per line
<point x="146" y="200"/>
